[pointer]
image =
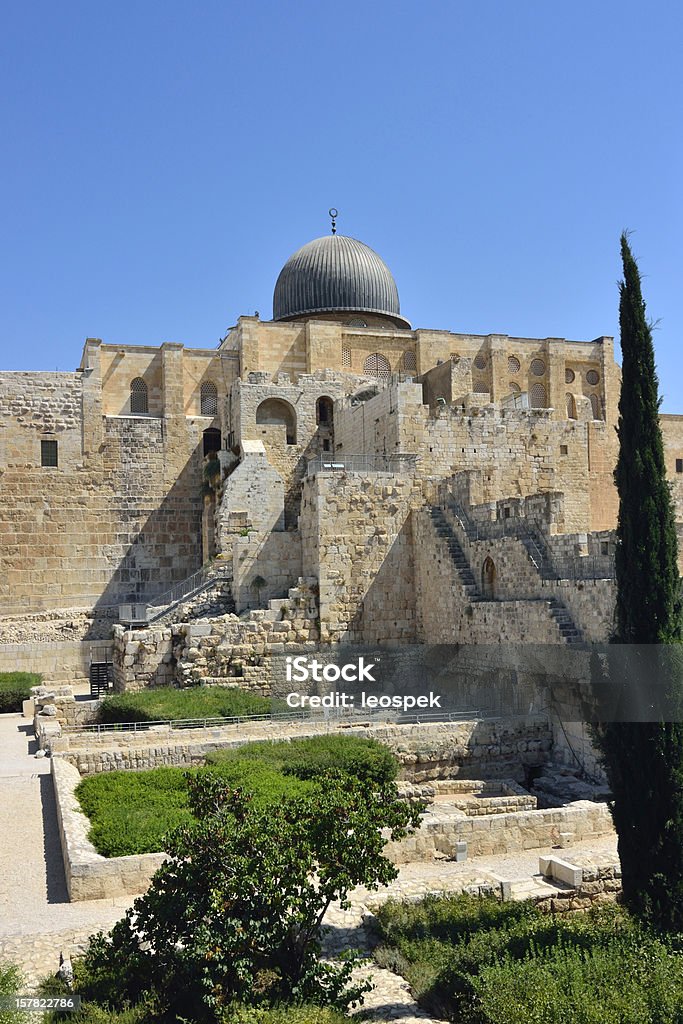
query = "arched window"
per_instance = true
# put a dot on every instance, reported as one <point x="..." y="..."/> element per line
<point x="138" y="396"/>
<point x="571" y="406"/>
<point x="276" y="412"/>
<point x="346" y="356"/>
<point x="488" y="579"/>
<point x="538" y="397"/>
<point x="324" y="408"/>
<point x="514" y="388"/>
<point x="595" y="406"/>
<point x="377" y="365"/>
<point x="409" y="362"/>
<point x="208" y="396"/>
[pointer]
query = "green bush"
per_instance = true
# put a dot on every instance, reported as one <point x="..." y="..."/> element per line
<point x="131" y="812"/>
<point x="284" y="1015"/>
<point x="15" y="687"/>
<point x="480" y="961"/>
<point x="10" y="985"/>
<point x="364" y="759"/>
<point x="168" y="703"/>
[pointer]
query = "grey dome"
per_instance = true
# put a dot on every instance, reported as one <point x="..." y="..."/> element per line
<point x="336" y="274"/>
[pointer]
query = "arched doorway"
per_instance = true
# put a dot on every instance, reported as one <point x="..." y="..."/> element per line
<point x="488" y="578"/>
<point x="211" y="441"/>
<point x="276" y="412"/>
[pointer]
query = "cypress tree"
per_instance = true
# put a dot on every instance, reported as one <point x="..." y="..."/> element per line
<point x="644" y="759"/>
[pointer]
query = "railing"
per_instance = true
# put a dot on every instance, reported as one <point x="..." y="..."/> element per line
<point x="199" y="580"/>
<point x="397" y="463"/>
<point x="548" y="564"/>
<point x="334" y="716"/>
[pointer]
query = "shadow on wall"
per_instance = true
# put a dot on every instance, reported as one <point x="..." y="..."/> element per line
<point x="388" y="609"/>
<point x="164" y="543"/>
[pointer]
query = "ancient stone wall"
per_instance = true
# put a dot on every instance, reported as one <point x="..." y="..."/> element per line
<point x="357" y="541"/>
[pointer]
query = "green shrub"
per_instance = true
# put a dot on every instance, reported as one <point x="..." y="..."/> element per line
<point x="15" y="687"/>
<point x="10" y="985"/>
<point x="131" y="812"/>
<point x="238" y="1014"/>
<point x="365" y="759"/>
<point x="480" y="961"/>
<point x="168" y="703"/>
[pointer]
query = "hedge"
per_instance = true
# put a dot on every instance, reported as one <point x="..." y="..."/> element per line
<point x="365" y="759"/>
<point x="169" y="703"/>
<point x="479" y="961"/>
<point x="131" y="812"/>
<point x="15" y="687"/>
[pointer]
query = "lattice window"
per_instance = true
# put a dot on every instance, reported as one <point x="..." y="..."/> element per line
<point x="595" y="406"/>
<point x="346" y="356"/>
<point x="569" y="376"/>
<point x="377" y="365"/>
<point x="592" y="377"/>
<point x="138" y="396"/>
<point x="514" y="388"/>
<point x="537" y="367"/>
<point x="538" y="397"/>
<point x="514" y="364"/>
<point x="481" y="387"/>
<point x="49" y="454"/>
<point x="357" y="322"/>
<point x="409" y="362"/>
<point x="208" y="398"/>
<point x="571" y="406"/>
<point x="480" y="361"/>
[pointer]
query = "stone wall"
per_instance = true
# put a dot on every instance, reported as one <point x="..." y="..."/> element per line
<point x="357" y="541"/>
<point x="493" y="834"/>
<point x="56" y="661"/>
<point x="672" y="431"/>
<point x="503" y="748"/>
<point x="89" y="876"/>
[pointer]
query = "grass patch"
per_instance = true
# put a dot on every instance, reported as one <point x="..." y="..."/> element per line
<point x="132" y="812"/>
<point x="479" y="961"/>
<point x="15" y="687"/>
<point x="365" y="759"/>
<point x="168" y="703"/>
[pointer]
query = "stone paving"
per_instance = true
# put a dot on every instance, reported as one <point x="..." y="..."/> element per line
<point x="37" y="922"/>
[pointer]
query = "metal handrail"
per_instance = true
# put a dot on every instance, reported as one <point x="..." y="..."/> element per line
<point x="294" y="716"/>
<point x="203" y="577"/>
<point x="331" y="463"/>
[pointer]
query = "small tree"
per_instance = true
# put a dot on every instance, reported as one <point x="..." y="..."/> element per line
<point x="235" y="913"/>
<point x="644" y="759"/>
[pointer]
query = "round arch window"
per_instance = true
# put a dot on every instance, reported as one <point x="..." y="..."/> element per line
<point x="378" y="366"/>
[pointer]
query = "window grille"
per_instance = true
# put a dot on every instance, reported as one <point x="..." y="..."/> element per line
<point x="208" y="398"/>
<point x="138" y="396"/>
<point x="48" y="454"/>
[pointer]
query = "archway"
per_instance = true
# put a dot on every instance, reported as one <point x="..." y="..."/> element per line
<point x="276" y="412"/>
<point x="211" y="441"/>
<point x="488" y="578"/>
<point x="324" y="411"/>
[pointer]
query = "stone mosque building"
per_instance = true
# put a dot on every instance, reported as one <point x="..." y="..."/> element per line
<point x="429" y="486"/>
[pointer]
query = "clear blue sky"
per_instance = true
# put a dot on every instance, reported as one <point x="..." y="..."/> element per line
<point x="161" y="160"/>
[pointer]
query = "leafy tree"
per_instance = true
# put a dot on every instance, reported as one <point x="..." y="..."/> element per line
<point x="235" y="914"/>
<point x="644" y="759"/>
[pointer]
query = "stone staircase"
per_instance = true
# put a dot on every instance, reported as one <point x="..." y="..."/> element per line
<point x="444" y="530"/>
<point x="569" y="631"/>
<point x="557" y="610"/>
